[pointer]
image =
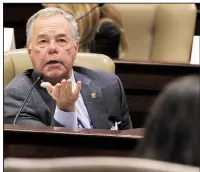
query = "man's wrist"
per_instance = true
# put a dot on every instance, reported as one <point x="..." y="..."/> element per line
<point x="66" y="107"/>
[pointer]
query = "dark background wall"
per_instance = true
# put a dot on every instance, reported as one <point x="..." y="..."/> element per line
<point x="16" y="15"/>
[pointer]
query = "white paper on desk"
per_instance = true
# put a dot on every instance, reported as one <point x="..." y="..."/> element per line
<point x="9" y="39"/>
<point x="195" y="51"/>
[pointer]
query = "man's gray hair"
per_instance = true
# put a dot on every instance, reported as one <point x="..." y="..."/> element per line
<point x="47" y="12"/>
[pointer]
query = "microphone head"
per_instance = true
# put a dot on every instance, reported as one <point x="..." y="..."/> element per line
<point x="101" y="4"/>
<point x="40" y="75"/>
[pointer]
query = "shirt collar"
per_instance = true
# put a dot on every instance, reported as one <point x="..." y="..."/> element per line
<point x="73" y="81"/>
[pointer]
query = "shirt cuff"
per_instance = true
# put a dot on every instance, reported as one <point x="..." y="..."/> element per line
<point x="67" y="119"/>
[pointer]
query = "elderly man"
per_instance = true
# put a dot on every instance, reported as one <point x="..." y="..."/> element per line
<point x="71" y="97"/>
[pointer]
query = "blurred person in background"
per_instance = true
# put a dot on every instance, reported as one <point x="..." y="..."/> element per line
<point x="173" y="126"/>
<point x="101" y="31"/>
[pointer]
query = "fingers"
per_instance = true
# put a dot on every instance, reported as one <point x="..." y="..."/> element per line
<point x="66" y="90"/>
<point x="69" y="88"/>
<point x="56" y="91"/>
<point x="63" y="89"/>
<point x="77" y="89"/>
<point x="48" y="86"/>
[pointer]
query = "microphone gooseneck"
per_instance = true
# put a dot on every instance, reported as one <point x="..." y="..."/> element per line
<point x="92" y="9"/>
<point x="40" y="77"/>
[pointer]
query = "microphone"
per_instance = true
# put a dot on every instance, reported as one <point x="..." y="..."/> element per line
<point x="39" y="78"/>
<point x="92" y="9"/>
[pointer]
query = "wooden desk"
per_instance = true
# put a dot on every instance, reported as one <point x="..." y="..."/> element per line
<point x="21" y="141"/>
<point x="143" y="81"/>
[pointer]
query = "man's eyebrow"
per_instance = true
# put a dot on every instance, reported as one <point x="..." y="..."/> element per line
<point x="41" y="36"/>
<point x="58" y="36"/>
<point x="62" y="35"/>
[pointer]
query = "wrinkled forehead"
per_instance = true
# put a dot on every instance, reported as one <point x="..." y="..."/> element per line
<point x="52" y="25"/>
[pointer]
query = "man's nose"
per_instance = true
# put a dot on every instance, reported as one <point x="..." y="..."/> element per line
<point x="53" y="47"/>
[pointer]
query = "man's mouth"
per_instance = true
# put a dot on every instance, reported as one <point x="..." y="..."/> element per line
<point x="53" y="62"/>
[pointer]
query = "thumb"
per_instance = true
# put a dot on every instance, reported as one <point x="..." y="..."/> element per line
<point x="48" y="86"/>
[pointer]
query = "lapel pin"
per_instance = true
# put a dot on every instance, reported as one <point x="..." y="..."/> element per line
<point x="93" y="95"/>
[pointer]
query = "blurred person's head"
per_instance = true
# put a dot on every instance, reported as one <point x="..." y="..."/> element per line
<point x="173" y="126"/>
<point x="52" y="42"/>
<point x="90" y="24"/>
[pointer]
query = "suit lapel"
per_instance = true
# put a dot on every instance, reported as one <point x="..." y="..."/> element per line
<point x="94" y="102"/>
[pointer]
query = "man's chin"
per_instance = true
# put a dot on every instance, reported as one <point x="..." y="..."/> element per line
<point x="54" y="76"/>
<point x="57" y="75"/>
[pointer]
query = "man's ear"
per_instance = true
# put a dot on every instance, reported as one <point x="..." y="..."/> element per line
<point x="76" y="45"/>
<point x="28" y="47"/>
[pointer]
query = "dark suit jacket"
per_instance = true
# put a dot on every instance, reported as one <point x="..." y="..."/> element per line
<point x="108" y="107"/>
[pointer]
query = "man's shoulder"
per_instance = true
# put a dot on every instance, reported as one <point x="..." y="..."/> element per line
<point x="20" y="82"/>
